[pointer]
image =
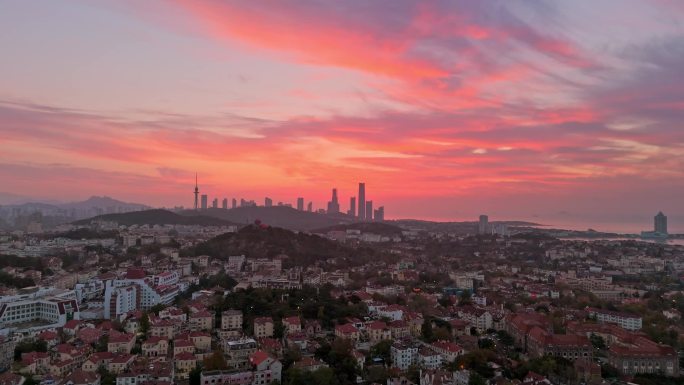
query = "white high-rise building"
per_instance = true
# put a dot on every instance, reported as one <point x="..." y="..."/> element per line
<point x="120" y="300"/>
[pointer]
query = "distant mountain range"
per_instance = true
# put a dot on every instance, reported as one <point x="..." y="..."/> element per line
<point x="93" y="202"/>
<point x="20" y="215"/>
<point x="157" y="217"/>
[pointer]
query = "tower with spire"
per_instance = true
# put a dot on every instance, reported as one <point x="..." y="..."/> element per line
<point x="196" y="194"/>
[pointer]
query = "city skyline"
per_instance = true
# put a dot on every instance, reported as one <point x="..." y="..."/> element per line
<point x="579" y="121"/>
<point x="332" y="207"/>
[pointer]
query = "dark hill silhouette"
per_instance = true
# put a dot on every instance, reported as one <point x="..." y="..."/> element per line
<point x="261" y="241"/>
<point x="277" y="216"/>
<point x="156" y="217"/>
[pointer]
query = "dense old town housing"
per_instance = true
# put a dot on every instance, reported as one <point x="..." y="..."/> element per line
<point x="378" y="303"/>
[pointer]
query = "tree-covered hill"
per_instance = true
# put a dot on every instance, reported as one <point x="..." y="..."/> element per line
<point x="302" y="249"/>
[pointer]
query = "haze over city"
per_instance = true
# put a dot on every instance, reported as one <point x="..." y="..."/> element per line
<point x="556" y="112"/>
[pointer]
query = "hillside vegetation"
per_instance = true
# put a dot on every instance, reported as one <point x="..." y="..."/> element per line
<point x="266" y="242"/>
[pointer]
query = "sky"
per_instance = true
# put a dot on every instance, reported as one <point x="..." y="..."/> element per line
<point x="555" y="111"/>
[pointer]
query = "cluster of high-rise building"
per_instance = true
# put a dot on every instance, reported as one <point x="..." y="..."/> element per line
<point x="363" y="212"/>
<point x="359" y="207"/>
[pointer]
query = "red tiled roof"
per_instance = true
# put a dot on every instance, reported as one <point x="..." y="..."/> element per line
<point x="346" y="329"/>
<point x="81" y="377"/>
<point x="48" y="335"/>
<point x="448" y="346"/>
<point x="377" y="325"/>
<point x="185" y="356"/>
<point x="135" y="274"/>
<point x="182" y="344"/>
<point x="201" y="314"/>
<point x="258" y="357"/>
<point x="72" y="324"/>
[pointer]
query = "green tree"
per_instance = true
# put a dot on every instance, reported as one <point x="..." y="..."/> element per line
<point x="597" y="341"/>
<point x="324" y="376"/>
<point x="102" y="342"/>
<point x="487" y="343"/>
<point x="377" y="374"/>
<point x="476" y="379"/>
<point x="28" y="347"/>
<point x="278" y="329"/>
<point x="426" y="330"/>
<point x="195" y="376"/>
<point x="144" y="323"/>
<point x="505" y="338"/>
<point x="216" y="361"/>
<point x="382" y="349"/>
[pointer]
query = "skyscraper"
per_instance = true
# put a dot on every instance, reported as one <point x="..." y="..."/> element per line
<point x="214" y="203"/>
<point x="380" y="214"/>
<point x="482" y="226"/>
<point x="268" y="202"/>
<point x="234" y="205"/>
<point x="309" y="207"/>
<point x="300" y="204"/>
<point x="196" y="193"/>
<point x="369" y="210"/>
<point x="352" y="207"/>
<point x="334" y="204"/>
<point x="204" y="201"/>
<point x="362" y="201"/>
<point x="225" y="203"/>
<point x="660" y="223"/>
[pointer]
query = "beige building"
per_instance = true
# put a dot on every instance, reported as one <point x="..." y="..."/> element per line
<point x="263" y="327"/>
<point x="231" y="320"/>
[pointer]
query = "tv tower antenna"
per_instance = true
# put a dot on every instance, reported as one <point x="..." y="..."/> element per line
<point x="196" y="194"/>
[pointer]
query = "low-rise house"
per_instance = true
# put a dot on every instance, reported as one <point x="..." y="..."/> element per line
<point x="120" y="342"/>
<point x="449" y="351"/>
<point x="155" y="347"/>
<point x="201" y="340"/>
<point x="309" y="364"/>
<point x="96" y="361"/>
<point x="120" y="363"/>
<point x="292" y="324"/>
<point x="201" y="321"/>
<point x="347" y="331"/>
<point x="399" y="329"/>
<point x="184" y="363"/>
<point x="81" y="377"/>
<point x="460" y="327"/>
<point x="312" y="327"/>
<point x="183" y="346"/>
<point x="378" y="331"/>
<point x="162" y="328"/>
<point x="263" y="327"/>
<point x="35" y="363"/>
<point x="428" y="358"/>
<point x="60" y="368"/>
